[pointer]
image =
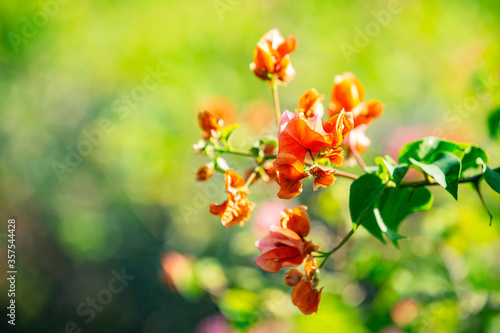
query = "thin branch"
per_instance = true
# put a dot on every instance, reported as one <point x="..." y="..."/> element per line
<point x="276" y="101"/>
<point x="433" y="182"/>
<point x="476" y="186"/>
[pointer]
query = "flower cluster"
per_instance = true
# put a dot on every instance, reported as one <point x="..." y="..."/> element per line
<point x="299" y="137"/>
<point x="286" y="246"/>
<point x="307" y="146"/>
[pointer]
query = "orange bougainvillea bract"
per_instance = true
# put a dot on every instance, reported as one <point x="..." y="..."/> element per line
<point x="210" y="125"/>
<point x="311" y="104"/>
<point x="272" y="57"/>
<point x="237" y="208"/>
<point x="298" y="137"/>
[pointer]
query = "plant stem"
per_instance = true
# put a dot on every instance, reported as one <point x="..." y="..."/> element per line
<point x="251" y="177"/>
<point x="432" y="182"/>
<point x="276" y="100"/>
<point x="476" y="186"/>
<point x="339" y="245"/>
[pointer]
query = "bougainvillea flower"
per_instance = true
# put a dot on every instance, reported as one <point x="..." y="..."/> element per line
<point x="311" y="104"/>
<point x="210" y="125"/>
<point x="289" y="188"/>
<point x="290" y="171"/>
<point x="339" y="125"/>
<point x="334" y="155"/>
<point x="306" y="297"/>
<point x="346" y="94"/>
<point x="297" y="135"/>
<point x="281" y="248"/>
<point x="271" y="57"/>
<point x="310" y="267"/>
<point x="290" y="166"/>
<point x="269" y="173"/>
<point x="237" y="208"/>
<point x="322" y="177"/>
<point x="293" y="277"/>
<point x="204" y="172"/>
<point x="296" y="220"/>
<point x="285" y="244"/>
<point x="367" y="112"/>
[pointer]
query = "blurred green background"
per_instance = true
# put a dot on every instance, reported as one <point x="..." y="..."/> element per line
<point x="122" y="81"/>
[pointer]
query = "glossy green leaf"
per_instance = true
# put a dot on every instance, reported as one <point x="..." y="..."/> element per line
<point x="363" y="193"/>
<point x="472" y="162"/>
<point x="492" y="177"/>
<point x="393" y="207"/>
<point x="388" y="170"/>
<point x="494" y="123"/>
<point x="425" y="150"/>
<point x="393" y="236"/>
<point x="445" y="169"/>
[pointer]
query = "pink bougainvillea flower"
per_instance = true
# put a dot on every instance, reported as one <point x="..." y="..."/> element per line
<point x="285" y="245"/>
<point x="281" y="248"/>
<point x="237" y="208"/>
<point x="311" y="104"/>
<point x="306" y="297"/>
<point x="271" y="57"/>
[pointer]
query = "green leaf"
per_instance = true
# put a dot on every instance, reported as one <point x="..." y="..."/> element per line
<point x="445" y="169"/>
<point x="472" y="162"/>
<point x="494" y="123"/>
<point x="256" y="151"/>
<point x="363" y="193"/>
<point x="394" y="236"/>
<point x="424" y="150"/>
<point x="227" y="131"/>
<point x="393" y="207"/>
<point x="493" y="179"/>
<point x="388" y="170"/>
